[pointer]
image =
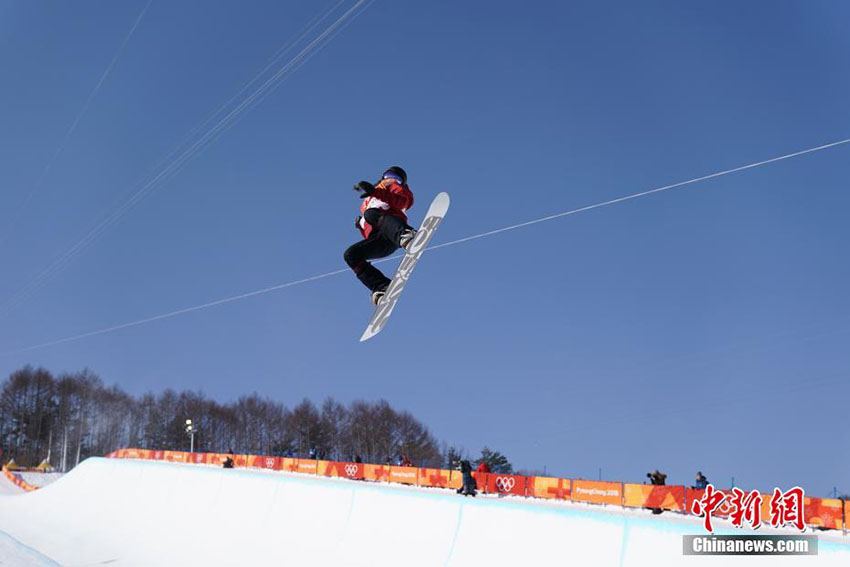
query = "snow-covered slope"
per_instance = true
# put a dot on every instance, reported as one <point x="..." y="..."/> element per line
<point x="8" y="487"/>
<point x="122" y="512"/>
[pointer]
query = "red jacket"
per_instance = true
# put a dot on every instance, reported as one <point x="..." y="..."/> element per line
<point x="483" y="467"/>
<point x="390" y="196"/>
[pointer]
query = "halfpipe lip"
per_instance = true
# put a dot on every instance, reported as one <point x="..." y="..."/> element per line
<point x="636" y="517"/>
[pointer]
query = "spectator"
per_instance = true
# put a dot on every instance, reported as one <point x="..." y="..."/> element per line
<point x="701" y="481"/>
<point x="469" y="486"/>
<point x="312" y="453"/>
<point x="358" y="459"/>
<point x="657" y="478"/>
<point x="483" y="467"/>
<point x="405" y="462"/>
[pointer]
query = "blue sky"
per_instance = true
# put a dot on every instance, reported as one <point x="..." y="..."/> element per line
<point x="705" y="328"/>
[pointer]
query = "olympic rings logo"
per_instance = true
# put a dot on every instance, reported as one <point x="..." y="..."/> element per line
<point x="350" y="470"/>
<point x="269" y="463"/>
<point x="505" y="483"/>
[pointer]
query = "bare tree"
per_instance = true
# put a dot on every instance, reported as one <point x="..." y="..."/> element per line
<point x="76" y="416"/>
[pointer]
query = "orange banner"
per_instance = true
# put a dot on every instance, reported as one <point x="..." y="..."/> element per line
<point x="218" y="459"/>
<point x="345" y="470"/>
<point x="18" y="480"/>
<point x="437" y="478"/>
<point x="650" y="496"/>
<point x="176" y="457"/>
<point x="824" y="512"/>
<point x="403" y="475"/>
<point x="323" y="468"/>
<point x="455" y="479"/>
<point x="378" y="473"/>
<point x="597" y="492"/>
<point x="503" y="483"/>
<point x="134" y="454"/>
<point x="548" y="487"/>
<point x="264" y="462"/>
<point x="308" y="466"/>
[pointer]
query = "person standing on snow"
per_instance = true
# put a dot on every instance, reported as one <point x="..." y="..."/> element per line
<point x="383" y="225"/>
<point x="469" y="485"/>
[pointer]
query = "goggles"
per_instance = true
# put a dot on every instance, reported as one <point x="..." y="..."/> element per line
<point x="392" y="175"/>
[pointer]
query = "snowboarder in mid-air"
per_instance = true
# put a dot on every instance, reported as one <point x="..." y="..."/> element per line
<point x="383" y="224"/>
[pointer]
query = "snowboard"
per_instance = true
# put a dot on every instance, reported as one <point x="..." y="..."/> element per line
<point x="433" y="218"/>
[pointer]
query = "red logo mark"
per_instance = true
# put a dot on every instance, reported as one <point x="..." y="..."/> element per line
<point x="746" y="507"/>
<point x="787" y="508"/>
<point x="710" y="501"/>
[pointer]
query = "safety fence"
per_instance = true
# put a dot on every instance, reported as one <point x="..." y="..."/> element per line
<point x="16" y="478"/>
<point x="824" y="513"/>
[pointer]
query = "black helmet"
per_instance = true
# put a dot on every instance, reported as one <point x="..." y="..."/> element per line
<point x="397" y="171"/>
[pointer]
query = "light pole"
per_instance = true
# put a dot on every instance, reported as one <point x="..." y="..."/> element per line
<point x="190" y="431"/>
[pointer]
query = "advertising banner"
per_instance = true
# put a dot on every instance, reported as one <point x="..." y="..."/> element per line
<point x="824" y="512"/>
<point x="345" y="470"/>
<point x="504" y="483"/>
<point x="597" y="492"/>
<point x="548" y="487"/>
<point x="134" y="454"/>
<point x="308" y="466"/>
<point x="264" y="462"/>
<point x="176" y="457"/>
<point x="240" y="460"/>
<point x="378" y="473"/>
<point x="323" y="468"/>
<point x="218" y="459"/>
<point x="437" y="478"/>
<point x="650" y="496"/>
<point x="404" y="475"/>
<point x="198" y="458"/>
<point x="455" y="479"/>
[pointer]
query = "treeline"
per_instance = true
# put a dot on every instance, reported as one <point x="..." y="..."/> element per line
<point x="72" y="416"/>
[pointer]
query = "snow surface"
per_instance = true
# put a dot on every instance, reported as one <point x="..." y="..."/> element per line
<point x="13" y="552"/>
<point x="124" y="512"/>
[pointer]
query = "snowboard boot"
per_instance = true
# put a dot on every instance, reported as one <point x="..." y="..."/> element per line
<point x="378" y="294"/>
<point x="406" y="237"/>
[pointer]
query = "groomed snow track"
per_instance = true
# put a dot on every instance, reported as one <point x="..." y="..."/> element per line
<point x="123" y="512"/>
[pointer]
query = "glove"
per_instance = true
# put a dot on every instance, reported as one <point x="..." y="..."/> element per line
<point x="357" y="222"/>
<point x="365" y="188"/>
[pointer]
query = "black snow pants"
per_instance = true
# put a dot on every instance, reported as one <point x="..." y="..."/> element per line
<point x="382" y="242"/>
